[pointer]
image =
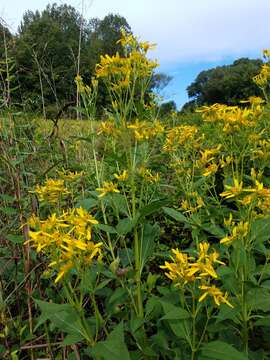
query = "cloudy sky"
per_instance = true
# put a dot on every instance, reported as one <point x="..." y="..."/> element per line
<point x="192" y="35"/>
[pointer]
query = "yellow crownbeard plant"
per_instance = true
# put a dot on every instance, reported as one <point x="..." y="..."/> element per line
<point x="122" y="146"/>
<point x="66" y="240"/>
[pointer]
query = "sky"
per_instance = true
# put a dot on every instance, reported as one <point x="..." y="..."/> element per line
<point x="191" y="35"/>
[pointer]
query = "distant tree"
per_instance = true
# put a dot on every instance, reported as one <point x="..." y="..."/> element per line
<point x="159" y="81"/>
<point x="226" y="84"/>
<point x="47" y="49"/>
<point x="47" y="46"/>
<point x="7" y="65"/>
<point x="166" y="108"/>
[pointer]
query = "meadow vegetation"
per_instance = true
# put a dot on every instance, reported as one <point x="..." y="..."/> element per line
<point x="135" y="237"/>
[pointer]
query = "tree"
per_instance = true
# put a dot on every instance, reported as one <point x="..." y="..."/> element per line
<point x="159" y="81"/>
<point x="7" y="65"/>
<point x="47" y="51"/>
<point x="226" y="84"/>
<point x="47" y="47"/>
<point x="166" y="108"/>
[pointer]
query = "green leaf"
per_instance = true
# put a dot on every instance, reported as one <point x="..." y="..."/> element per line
<point x="7" y="198"/>
<point x="118" y="297"/>
<point x="260" y="230"/>
<point x="87" y="204"/>
<point x="214" y="229"/>
<point x="107" y="228"/>
<point x="265" y="321"/>
<point x="219" y="350"/>
<point x="16" y="239"/>
<point x="259" y="299"/>
<point x="72" y="339"/>
<point x="120" y="202"/>
<point x="173" y="312"/>
<point x="178" y="320"/>
<point x="176" y="215"/>
<point x="124" y="226"/>
<point x="9" y="211"/>
<point x="62" y="316"/>
<point x="149" y="235"/>
<point x="153" y="207"/>
<point x="113" y="348"/>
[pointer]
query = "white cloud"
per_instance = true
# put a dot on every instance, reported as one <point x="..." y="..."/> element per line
<point x="185" y="30"/>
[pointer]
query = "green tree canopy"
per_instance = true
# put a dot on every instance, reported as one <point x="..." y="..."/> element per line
<point x="47" y="47"/>
<point x="226" y="84"/>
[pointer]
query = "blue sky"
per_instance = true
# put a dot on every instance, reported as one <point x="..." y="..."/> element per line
<point x="192" y="35"/>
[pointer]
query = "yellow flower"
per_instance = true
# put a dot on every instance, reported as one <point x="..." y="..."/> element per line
<point x="239" y="231"/>
<point x="107" y="128"/>
<point x="69" y="175"/>
<point x="179" y="136"/>
<point x="211" y="169"/>
<point x="216" y="294"/>
<point x="65" y="239"/>
<point x="178" y="270"/>
<point x="51" y="191"/>
<point x="121" y="177"/>
<point x="233" y="191"/>
<point x="63" y="270"/>
<point x="185" y="269"/>
<point x="148" y="175"/>
<point x="202" y="269"/>
<point x="108" y="187"/>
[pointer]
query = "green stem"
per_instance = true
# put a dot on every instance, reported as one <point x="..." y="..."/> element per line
<point x="138" y="273"/>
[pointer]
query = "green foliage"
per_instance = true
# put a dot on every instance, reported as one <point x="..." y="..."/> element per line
<point x="226" y="84"/>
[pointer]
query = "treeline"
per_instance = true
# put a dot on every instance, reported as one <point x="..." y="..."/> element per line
<point x="227" y="84"/>
<point x="40" y="62"/>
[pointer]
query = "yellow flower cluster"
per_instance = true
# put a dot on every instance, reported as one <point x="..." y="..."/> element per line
<point x="121" y="177"/>
<point x="179" y="136"/>
<point x="216" y="294"/>
<point x="140" y="130"/>
<point x="148" y="175"/>
<point x="185" y="269"/>
<point x="263" y="77"/>
<point x="144" y="131"/>
<point x="233" y="190"/>
<point x="108" y="187"/>
<point x="70" y="176"/>
<point x="207" y="161"/>
<point x="107" y="128"/>
<point x="65" y="239"/>
<point x="262" y="148"/>
<point x="258" y="195"/>
<point x="238" y="231"/>
<point x="85" y="89"/>
<point x="181" y="166"/>
<point x="193" y="203"/>
<point x="125" y="70"/>
<point x="233" y="118"/>
<point x="52" y="191"/>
